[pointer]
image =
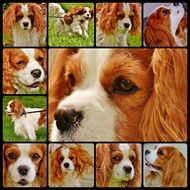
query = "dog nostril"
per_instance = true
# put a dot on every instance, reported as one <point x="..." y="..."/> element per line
<point x="66" y="165"/>
<point x="25" y="24"/>
<point x="176" y="4"/>
<point x="126" y="25"/>
<point x="127" y="169"/>
<point x="23" y="170"/>
<point x="65" y="118"/>
<point x="36" y="73"/>
<point x="147" y="152"/>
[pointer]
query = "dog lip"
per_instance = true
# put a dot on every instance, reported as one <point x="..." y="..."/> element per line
<point x="34" y="85"/>
<point x="23" y="182"/>
<point x="151" y="165"/>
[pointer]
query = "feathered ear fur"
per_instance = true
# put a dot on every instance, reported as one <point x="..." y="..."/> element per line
<point x="156" y="33"/>
<point x="175" y="171"/>
<point x="5" y="169"/>
<point x="18" y="108"/>
<point x="8" y="71"/>
<point x="56" y="173"/>
<point x="165" y="114"/>
<point x="42" y="168"/>
<point x="135" y="16"/>
<point x="92" y="12"/>
<point x="39" y="19"/>
<point x="103" y="165"/>
<point x="9" y="18"/>
<point x="58" y="86"/>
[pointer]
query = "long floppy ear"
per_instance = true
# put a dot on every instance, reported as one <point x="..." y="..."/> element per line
<point x="58" y="87"/>
<point x="156" y="34"/>
<point x="18" y="108"/>
<point x="56" y="173"/>
<point x="92" y="12"/>
<point x="39" y="18"/>
<point x="175" y="173"/>
<point x="5" y="169"/>
<point x="9" y="18"/>
<point x="136" y="181"/>
<point x="135" y="16"/>
<point x="103" y="165"/>
<point x="84" y="160"/>
<point x="108" y="18"/>
<point x="42" y="172"/>
<point x="8" y="75"/>
<point x="164" y="117"/>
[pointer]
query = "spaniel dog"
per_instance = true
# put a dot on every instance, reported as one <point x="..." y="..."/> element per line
<point x="26" y="120"/>
<point x="115" y="21"/>
<point x="24" y="70"/>
<point x="119" y="95"/>
<point x="118" y="165"/>
<point x="167" y="167"/>
<point x="161" y="26"/>
<point x="68" y="164"/>
<point x="24" y="165"/>
<point x="74" y="21"/>
<point x="26" y="23"/>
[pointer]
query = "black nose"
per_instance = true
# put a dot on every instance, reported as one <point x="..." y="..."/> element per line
<point x="87" y="14"/>
<point x="66" y="165"/>
<point x="36" y="73"/>
<point x="66" y="118"/>
<point x="126" y="25"/>
<point x="127" y="169"/>
<point x="23" y="170"/>
<point x="176" y="4"/>
<point x="147" y="152"/>
<point x="25" y="24"/>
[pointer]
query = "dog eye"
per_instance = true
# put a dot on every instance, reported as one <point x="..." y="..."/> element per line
<point x="132" y="158"/>
<point x="61" y="159"/>
<point x="72" y="157"/>
<point x="160" y="152"/>
<point x="165" y="12"/>
<point x="20" y="63"/>
<point x="35" y="156"/>
<point x="116" y="158"/>
<point x="123" y="86"/>
<point x="120" y="16"/>
<point x="12" y="156"/>
<point x="40" y="60"/>
<point x="30" y="17"/>
<point x="72" y="79"/>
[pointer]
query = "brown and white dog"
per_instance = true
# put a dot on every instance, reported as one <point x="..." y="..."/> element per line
<point x="167" y="167"/>
<point x="26" y="23"/>
<point x="24" y="70"/>
<point x="118" y="165"/>
<point x="76" y="20"/>
<point x="119" y="95"/>
<point x="25" y="123"/>
<point x="115" y="21"/>
<point x="24" y="165"/>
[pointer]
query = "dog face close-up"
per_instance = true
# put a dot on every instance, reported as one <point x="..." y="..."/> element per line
<point x="24" y="165"/>
<point x="117" y="95"/>
<point x="24" y="70"/>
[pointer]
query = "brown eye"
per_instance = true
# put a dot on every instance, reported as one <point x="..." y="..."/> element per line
<point x="12" y="156"/>
<point x="164" y="12"/>
<point x="121" y="16"/>
<point x="72" y="157"/>
<point x="123" y="86"/>
<point x="35" y="156"/>
<point x="116" y="158"/>
<point x="132" y="158"/>
<point x="19" y="17"/>
<point x="40" y="60"/>
<point x="72" y="79"/>
<point x="160" y="152"/>
<point x="60" y="159"/>
<point x="20" y="63"/>
<point x="31" y="17"/>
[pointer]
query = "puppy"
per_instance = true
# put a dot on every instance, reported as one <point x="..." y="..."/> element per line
<point x="26" y="120"/>
<point x="24" y="165"/>
<point x="167" y="167"/>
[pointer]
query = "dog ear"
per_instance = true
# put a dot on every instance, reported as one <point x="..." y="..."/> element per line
<point x="103" y="165"/>
<point x="92" y="12"/>
<point x="5" y="167"/>
<point x="68" y="18"/>
<point x="159" y="121"/>
<point x="42" y="171"/>
<point x="58" y="85"/>
<point x="18" y="108"/>
<point x="8" y="71"/>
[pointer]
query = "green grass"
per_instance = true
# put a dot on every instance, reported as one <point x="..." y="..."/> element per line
<point x="8" y="125"/>
<point x="135" y="41"/>
<point x="74" y="40"/>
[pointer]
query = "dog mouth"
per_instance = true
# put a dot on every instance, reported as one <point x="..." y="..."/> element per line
<point x="34" y="85"/>
<point x="23" y="182"/>
<point x="152" y="166"/>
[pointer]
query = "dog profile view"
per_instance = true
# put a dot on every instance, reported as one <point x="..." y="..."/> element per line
<point x="24" y="165"/>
